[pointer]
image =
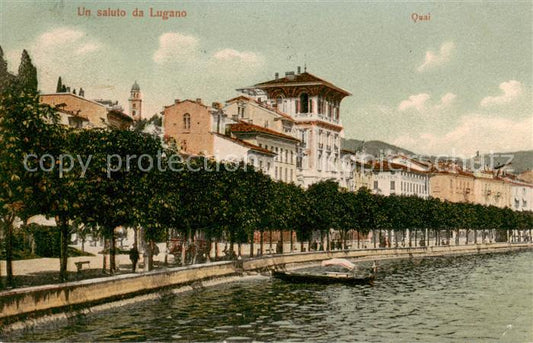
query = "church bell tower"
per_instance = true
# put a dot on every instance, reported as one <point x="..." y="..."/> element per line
<point x="135" y="102"/>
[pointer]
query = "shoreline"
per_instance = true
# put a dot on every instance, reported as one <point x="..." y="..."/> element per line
<point x="33" y="306"/>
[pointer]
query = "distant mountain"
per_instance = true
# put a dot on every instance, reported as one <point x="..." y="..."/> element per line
<point x="375" y="148"/>
<point x="521" y="161"/>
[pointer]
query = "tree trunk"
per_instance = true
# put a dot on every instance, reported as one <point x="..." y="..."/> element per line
<point x="261" y="243"/>
<point x="231" y="246"/>
<point x="328" y="247"/>
<point x="135" y="239"/>
<point x="104" y="264"/>
<point x="252" y="245"/>
<point x="301" y="245"/>
<point x="281" y="240"/>
<point x="9" y="251"/>
<point x="292" y="242"/>
<point x="466" y="233"/>
<point x="62" y="223"/>
<point x="151" y="243"/>
<point x="344" y="240"/>
<point x="416" y="238"/>
<point x="475" y="236"/>
<point x="112" y="253"/>
<point x="321" y="246"/>
<point x="216" y="249"/>
<point x="374" y="237"/>
<point x="270" y="239"/>
<point x="167" y="239"/>
<point x="358" y="240"/>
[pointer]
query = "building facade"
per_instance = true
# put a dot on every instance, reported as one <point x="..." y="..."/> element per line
<point x="521" y="196"/>
<point x="396" y="179"/>
<point x="284" y="148"/>
<point x="199" y="129"/>
<point x="97" y="114"/>
<point x="314" y="104"/>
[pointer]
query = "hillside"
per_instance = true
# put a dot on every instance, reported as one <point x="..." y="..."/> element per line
<point x="520" y="160"/>
<point x="375" y="148"/>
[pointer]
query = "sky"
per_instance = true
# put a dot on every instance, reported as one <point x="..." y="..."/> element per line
<point x="457" y="83"/>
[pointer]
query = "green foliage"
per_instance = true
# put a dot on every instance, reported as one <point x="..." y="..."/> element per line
<point x="27" y="74"/>
<point x="47" y="241"/>
<point x="59" y="86"/>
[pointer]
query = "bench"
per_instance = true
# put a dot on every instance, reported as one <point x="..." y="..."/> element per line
<point x="80" y="264"/>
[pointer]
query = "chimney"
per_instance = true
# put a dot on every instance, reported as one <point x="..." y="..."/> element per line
<point x="199" y="101"/>
<point x="299" y="70"/>
<point x="289" y="75"/>
<point x="216" y="105"/>
<point x="276" y="75"/>
<point x="176" y="101"/>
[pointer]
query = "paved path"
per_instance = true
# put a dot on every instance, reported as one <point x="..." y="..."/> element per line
<point x="39" y="265"/>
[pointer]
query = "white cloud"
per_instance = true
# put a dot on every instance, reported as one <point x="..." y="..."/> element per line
<point x="511" y="90"/>
<point x="417" y="102"/>
<point x="87" y="48"/>
<point x="174" y="46"/>
<point x="59" y="36"/>
<point x="231" y="55"/>
<point x="61" y="51"/>
<point x="421" y="103"/>
<point x="434" y="59"/>
<point x="474" y="132"/>
<point x="446" y="101"/>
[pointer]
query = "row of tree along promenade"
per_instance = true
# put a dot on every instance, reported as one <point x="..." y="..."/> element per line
<point x="196" y="197"/>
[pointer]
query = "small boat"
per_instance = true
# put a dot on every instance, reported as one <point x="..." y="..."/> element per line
<point x="327" y="277"/>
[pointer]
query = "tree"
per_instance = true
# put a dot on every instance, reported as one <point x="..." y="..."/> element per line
<point x="301" y="222"/>
<point x="365" y="212"/>
<point x="26" y="127"/>
<point x="27" y="74"/>
<point x="59" y="86"/>
<point x="112" y="186"/>
<point x="325" y="209"/>
<point x="6" y="78"/>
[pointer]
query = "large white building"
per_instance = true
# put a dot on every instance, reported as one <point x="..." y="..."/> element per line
<point x="314" y="105"/>
<point x="404" y="176"/>
<point x="521" y="196"/>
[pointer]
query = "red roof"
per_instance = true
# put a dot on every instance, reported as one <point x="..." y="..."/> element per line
<point x="246" y="127"/>
<point x="388" y="166"/>
<point x="302" y="79"/>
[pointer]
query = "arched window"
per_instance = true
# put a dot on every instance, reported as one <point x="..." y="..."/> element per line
<point x="304" y="103"/>
<point x="186" y="121"/>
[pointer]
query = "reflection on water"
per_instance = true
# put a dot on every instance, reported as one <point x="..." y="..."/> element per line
<point x="478" y="298"/>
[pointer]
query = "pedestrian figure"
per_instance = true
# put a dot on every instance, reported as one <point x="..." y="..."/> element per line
<point x="134" y="257"/>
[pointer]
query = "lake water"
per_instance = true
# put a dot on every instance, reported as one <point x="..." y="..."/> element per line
<point x="476" y="298"/>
